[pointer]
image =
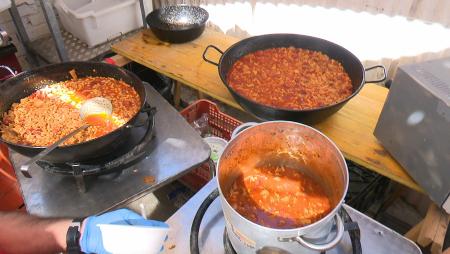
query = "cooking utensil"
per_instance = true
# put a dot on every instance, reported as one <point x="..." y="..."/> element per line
<point x="28" y="82"/>
<point x="349" y="61"/>
<point x="138" y="236"/>
<point x="178" y="23"/>
<point x="297" y="146"/>
<point x="91" y="107"/>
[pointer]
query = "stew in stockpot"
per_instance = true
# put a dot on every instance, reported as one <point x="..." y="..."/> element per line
<point x="278" y="197"/>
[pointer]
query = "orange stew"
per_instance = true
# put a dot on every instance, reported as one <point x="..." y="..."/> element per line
<point x="290" y="78"/>
<point x="278" y="197"/>
<point x="52" y="112"/>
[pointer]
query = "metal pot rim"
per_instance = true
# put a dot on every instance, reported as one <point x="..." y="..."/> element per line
<point x="309" y="226"/>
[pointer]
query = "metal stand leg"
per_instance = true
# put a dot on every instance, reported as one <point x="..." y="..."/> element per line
<point x="200" y="95"/>
<point x="54" y="29"/>
<point x="23" y="36"/>
<point x="22" y="32"/>
<point x="141" y="3"/>
<point x="212" y="168"/>
<point x="79" y="178"/>
<point x="177" y="94"/>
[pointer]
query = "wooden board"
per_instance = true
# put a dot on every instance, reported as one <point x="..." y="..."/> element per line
<point x="182" y="62"/>
<point x="351" y="128"/>
<point x="414" y="232"/>
<point x="430" y="226"/>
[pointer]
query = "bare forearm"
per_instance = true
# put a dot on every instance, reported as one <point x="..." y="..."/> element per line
<point x="22" y="233"/>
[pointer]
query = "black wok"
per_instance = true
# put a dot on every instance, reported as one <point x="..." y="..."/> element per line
<point x="349" y="61"/>
<point x="28" y="82"/>
<point x="178" y="23"/>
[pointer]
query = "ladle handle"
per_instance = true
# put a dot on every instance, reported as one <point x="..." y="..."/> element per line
<point x="26" y="166"/>
<point x="13" y="73"/>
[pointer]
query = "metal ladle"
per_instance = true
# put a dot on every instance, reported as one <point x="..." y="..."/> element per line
<point x="93" y="106"/>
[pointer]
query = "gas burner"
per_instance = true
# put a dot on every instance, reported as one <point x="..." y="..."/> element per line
<point x="123" y="155"/>
<point x="350" y="226"/>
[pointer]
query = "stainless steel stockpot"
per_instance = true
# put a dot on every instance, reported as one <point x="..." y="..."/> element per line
<point x="297" y="146"/>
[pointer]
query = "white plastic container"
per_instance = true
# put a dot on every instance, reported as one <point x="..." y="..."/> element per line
<point x="97" y="21"/>
<point x="124" y="239"/>
<point x="217" y="146"/>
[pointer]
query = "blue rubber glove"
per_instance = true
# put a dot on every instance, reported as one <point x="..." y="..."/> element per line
<point x="91" y="239"/>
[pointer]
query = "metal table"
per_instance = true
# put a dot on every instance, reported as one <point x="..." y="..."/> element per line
<point x="375" y="238"/>
<point x="177" y="148"/>
<point x="61" y="40"/>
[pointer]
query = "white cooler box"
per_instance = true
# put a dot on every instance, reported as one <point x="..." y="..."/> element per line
<point x="97" y="21"/>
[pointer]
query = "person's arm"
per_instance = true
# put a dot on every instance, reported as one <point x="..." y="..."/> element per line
<point x="23" y="233"/>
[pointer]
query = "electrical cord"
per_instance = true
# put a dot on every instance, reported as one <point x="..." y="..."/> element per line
<point x="353" y="231"/>
<point x="198" y="219"/>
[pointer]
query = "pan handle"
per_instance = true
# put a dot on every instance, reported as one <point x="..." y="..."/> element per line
<point x="13" y="73"/>
<point x="206" y="50"/>
<point x="242" y="127"/>
<point x="323" y="247"/>
<point x="319" y="247"/>
<point x="377" y="80"/>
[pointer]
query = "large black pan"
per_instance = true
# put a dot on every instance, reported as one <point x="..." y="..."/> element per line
<point x="178" y="23"/>
<point x="349" y="61"/>
<point x="28" y="82"/>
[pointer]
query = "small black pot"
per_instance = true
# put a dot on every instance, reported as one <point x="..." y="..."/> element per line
<point x="177" y="24"/>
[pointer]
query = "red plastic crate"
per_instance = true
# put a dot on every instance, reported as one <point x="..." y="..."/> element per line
<point x="220" y="125"/>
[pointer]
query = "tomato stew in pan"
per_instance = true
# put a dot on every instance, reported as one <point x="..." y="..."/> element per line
<point x="52" y="112"/>
<point x="290" y="78"/>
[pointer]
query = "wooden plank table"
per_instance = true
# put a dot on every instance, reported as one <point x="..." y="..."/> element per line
<point x="351" y="128"/>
